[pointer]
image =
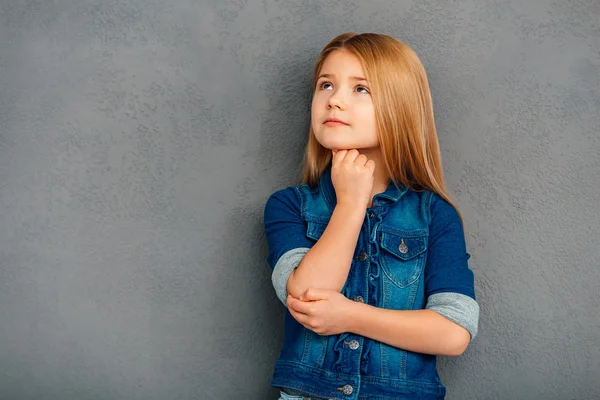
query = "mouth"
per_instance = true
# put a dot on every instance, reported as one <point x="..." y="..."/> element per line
<point x="334" y="122"/>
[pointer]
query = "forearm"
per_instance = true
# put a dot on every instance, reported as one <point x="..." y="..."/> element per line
<point x="422" y="331"/>
<point x="326" y="264"/>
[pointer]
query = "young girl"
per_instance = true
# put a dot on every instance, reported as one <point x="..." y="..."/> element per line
<point x="368" y="253"/>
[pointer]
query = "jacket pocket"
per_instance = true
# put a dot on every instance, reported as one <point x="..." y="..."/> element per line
<point x="315" y="229"/>
<point x="403" y="255"/>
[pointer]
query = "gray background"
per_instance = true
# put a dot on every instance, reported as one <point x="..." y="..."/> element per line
<point x="140" y="139"/>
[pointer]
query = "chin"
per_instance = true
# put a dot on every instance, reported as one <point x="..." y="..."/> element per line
<point x="341" y="146"/>
<point x="337" y="146"/>
<point x="332" y="144"/>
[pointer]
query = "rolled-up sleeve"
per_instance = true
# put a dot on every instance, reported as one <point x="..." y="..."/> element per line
<point x="449" y="282"/>
<point x="286" y="237"/>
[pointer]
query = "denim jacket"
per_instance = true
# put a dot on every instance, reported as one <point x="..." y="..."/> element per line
<point x="390" y="269"/>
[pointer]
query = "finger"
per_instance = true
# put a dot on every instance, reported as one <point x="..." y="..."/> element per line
<point x="292" y="307"/>
<point x="371" y="165"/>
<point x="315" y="294"/>
<point x="351" y="156"/>
<point x="297" y="305"/>
<point x="289" y="300"/>
<point x="339" y="155"/>
<point x="361" y="159"/>
<point x="302" y="318"/>
<point x="303" y="307"/>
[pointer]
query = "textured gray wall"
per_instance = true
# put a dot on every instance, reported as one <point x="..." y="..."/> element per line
<point x="139" y="140"/>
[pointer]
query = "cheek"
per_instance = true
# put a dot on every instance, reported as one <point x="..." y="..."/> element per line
<point x="313" y="119"/>
<point x="317" y="101"/>
<point x="370" y="122"/>
<point x="314" y="110"/>
<point x="367" y="114"/>
<point x="370" y="116"/>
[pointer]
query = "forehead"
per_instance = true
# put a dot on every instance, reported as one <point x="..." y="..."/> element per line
<point x="342" y="64"/>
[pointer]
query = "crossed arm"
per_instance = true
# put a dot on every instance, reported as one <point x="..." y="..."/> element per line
<point x="328" y="312"/>
<point x="315" y="301"/>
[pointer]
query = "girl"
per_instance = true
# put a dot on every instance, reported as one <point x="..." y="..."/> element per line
<point x="368" y="253"/>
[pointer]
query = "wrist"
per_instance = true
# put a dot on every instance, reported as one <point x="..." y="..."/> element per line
<point x="354" y="316"/>
<point x="352" y="207"/>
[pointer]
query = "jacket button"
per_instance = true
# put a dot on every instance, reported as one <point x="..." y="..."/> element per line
<point x="359" y="299"/>
<point x="347" y="389"/>
<point x="403" y="247"/>
<point x="363" y="256"/>
<point x="353" y="344"/>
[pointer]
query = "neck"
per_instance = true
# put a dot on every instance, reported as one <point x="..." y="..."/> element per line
<point x="382" y="178"/>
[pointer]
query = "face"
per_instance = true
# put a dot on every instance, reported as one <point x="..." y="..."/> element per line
<point x="342" y="113"/>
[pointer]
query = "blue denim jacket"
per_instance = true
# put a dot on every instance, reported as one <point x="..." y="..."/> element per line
<point x="387" y="271"/>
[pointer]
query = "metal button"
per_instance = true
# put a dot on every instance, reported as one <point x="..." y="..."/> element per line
<point x="363" y="256"/>
<point x="371" y="214"/>
<point x="353" y="344"/>
<point x="347" y="389"/>
<point x="403" y="247"/>
<point x="359" y="299"/>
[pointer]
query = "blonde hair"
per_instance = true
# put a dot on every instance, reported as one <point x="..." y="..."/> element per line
<point x="403" y="112"/>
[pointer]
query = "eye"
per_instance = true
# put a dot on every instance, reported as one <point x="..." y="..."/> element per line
<point x="325" y="85"/>
<point x="362" y="89"/>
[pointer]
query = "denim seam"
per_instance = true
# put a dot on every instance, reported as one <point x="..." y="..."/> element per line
<point x="428" y="198"/>
<point x="306" y="350"/>
<point x="394" y="382"/>
<point x="302" y="202"/>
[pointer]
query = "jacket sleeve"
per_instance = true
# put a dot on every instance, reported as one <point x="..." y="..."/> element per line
<point x="286" y="237"/>
<point x="449" y="282"/>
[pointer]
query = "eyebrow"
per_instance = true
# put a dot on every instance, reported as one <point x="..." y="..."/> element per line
<point x="356" y="78"/>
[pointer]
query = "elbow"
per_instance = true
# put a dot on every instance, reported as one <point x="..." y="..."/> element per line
<point x="459" y="343"/>
<point x="458" y="350"/>
<point x="297" y="285"/>
<point x="292" y="287"/>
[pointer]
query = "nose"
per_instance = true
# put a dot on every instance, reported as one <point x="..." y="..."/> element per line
<point x="336" y="101"/>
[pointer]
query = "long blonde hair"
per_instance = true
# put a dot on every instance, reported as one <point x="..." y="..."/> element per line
<point x="403" y="111"/>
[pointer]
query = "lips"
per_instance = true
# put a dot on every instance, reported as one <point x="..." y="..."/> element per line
<point x="334" y="121"/>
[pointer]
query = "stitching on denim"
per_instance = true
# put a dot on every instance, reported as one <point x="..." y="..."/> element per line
<point x="385" y="361"/>
<point x="324" y="341"/>
<point x="413" y="289"/>
<point x="428" y="198"/>
<point x="306" y="350"/>
<point x="409" y="234"/>
<point x="302" y="201"/>
<point x="393" y="382"/>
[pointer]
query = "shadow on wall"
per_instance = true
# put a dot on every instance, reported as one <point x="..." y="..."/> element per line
<point x="285" y="125"/>
<point x="245" y="309"/>
<point x="247" y="317"/>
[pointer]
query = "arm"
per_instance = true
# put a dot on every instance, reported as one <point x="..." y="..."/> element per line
<point x="326" y="264"/>
<point x="328" y="312"/>
<point x="449" y="322"/>
<point x="422" y="331"/>
<point x="445" y="327"/>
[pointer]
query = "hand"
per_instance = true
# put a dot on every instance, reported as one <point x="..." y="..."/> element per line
<point x="352" y="175"/>
<point x="325" y="312"/>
